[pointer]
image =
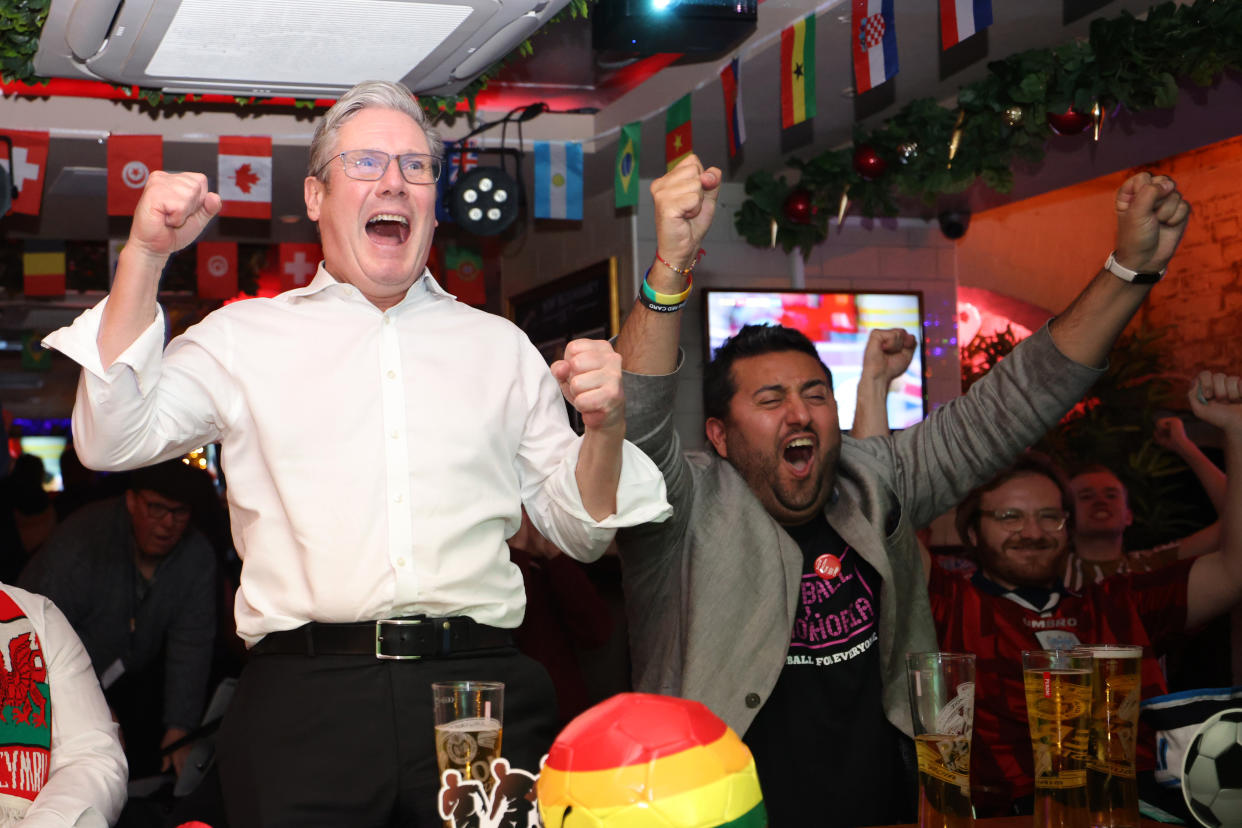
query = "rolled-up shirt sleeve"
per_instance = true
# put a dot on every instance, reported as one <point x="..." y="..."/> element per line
<point x="142" y="408"/>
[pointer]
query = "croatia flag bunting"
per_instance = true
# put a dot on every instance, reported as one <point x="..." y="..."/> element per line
<point x="678" y="132"/>
<point x="875" y="43"/>
<point x="798" y="72"/>
<point x="959" y="19"/>
<point x="217" y="270"/>
<point x="43" y="268"/>
<point x="246" y="176"/>
<point x="27" y="169"/>
<point x="131" y="158"/>
<point x="625" y="178"/>
<point x="558" y="180"/>
<point x="735" y="122"/>
<point x="298" y="263"/>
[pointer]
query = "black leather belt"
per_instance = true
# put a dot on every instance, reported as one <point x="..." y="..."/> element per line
<point x="392" y="638"/>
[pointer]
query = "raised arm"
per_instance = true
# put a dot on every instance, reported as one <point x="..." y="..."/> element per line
<point x="1216" y="578"/>
<point x="590" y="378"/>
<point x="1170" y="434"/>
<point x="886" y="358"/>
<point x="1151" y="217"/>
<point x="172" y="212"/>
<point x="685" y="202"/>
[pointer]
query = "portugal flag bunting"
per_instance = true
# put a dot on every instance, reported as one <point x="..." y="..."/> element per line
<point x="735" y="123"/>
<point x="131" y="158"/>
<point x="875" y="43"/>
<point x="245" y="184"/>
<point x="625" y="181"/>
<point x="27" y="169"/>
<point x="798" y="72"/>
<point x="298" y="263"/>
<point x="678" y="137"/>
<point x="463" y="274"/>
<point x="217" y="270"/>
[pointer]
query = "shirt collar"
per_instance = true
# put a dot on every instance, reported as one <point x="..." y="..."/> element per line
<point x="424" y="286"/>
<point x="1038" y="599"/>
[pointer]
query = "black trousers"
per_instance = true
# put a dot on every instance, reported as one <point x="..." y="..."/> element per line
<point x="338" y="741"/>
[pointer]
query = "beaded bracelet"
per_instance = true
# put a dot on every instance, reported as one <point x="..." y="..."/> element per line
<point x="681" y="271"/>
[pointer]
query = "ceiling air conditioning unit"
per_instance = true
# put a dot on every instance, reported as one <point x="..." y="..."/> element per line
<point x="275" y="48"/>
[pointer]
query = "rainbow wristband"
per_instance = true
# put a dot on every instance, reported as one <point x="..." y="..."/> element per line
<point x="669" y="299"/>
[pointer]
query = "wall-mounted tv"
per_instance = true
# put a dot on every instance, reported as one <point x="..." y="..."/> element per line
<point x="839" y="324"/>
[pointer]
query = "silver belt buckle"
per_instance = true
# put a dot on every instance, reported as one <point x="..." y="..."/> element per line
<point x="396" y="622"/>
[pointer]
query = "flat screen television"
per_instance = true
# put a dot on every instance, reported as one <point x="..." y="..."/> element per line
<point x="839" y="324"/>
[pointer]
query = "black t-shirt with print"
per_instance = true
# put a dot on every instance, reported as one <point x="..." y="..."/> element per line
<point x="825" y="753"/>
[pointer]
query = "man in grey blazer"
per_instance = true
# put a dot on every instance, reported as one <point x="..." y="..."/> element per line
<point x="787" y="587"/>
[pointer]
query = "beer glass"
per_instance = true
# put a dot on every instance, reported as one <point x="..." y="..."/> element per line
<point x="1112" y="784"/>
<point x="942" y="704"/>
<point x="1058" y="708"/>
<point x="469" y="719"/>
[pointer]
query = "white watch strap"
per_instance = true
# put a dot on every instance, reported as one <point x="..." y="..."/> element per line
<point x="1121" y="271"/>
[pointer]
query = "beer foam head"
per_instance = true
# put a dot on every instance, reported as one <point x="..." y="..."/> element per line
<point x="639" y="759"/>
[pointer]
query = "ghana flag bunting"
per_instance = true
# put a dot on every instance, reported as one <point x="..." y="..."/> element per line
<point x="638" y="754"/>
<point x="798" y="72"/>
<point x="625" y="181"/>
<point x="678" y="135"/>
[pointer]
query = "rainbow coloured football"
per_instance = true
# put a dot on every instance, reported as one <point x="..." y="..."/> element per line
<point x="645" y="761"/>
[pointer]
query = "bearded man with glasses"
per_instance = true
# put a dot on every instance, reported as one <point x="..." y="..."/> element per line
<point x="380" y="439"/>
<point x="1017" y="528"/>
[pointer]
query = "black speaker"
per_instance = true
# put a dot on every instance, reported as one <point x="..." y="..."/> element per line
<point x="648" y="27"/>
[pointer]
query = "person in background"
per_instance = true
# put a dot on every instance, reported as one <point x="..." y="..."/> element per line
<point x="787" y="587"/>
<point x="1102" y="514"/>
<point x="137" y="582"/>
<point x="23" y="494"/>
<point x="381" y="439"/>
<point x="61" y="763"/>
<point x="1018" y="528"/>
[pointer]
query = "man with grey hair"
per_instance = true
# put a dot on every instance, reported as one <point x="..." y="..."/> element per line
<point x="380" y="439"/>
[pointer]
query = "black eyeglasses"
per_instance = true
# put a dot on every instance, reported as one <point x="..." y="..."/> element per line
<point x="1050" y="520"/>
<point x="158" y="511"/>
<point x="370" y="165"/>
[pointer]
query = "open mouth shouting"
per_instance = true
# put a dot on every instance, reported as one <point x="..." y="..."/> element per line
<point x="799" y="454"/>
<point x="388" y="228"/>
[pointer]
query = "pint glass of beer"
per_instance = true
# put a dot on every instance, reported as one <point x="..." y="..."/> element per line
<point x="1058" y="708"/>
<point x="942" y="703"/>
<point x="1112" y="784"/>
<point x="468" y="717"/>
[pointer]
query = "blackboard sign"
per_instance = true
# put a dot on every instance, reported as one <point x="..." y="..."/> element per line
<point x="582" y="305"/>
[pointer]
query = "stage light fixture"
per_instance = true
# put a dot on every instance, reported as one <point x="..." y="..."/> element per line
<point x="484" y="201"/>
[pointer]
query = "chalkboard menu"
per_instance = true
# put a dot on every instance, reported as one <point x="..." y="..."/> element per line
<point x="582" y="305"/>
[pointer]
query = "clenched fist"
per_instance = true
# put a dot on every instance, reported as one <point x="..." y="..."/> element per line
<point x="590" y="378"/>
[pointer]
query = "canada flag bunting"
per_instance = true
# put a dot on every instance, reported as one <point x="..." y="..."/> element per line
<point x="245" y="184"/>
<point x="27" y="169"/>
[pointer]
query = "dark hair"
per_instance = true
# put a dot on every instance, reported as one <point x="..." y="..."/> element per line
<point x="1030" y="462"/>
<point x="172" y="479"/>
<point x="751" y="340"/>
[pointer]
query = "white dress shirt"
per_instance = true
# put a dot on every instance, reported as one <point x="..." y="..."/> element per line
<point x="376" y="460"/>
<point x="87" y="773"/>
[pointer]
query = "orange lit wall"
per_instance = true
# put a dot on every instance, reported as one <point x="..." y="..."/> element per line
<point x="1043" y="250"/>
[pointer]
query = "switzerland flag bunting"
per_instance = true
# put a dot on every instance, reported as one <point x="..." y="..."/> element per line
<point x="217" y="270"/>
<point x="298" y="263"/>
<point x="246" y="177"/>
<point x="26" y="169"/>
<point x="131" y="158"/>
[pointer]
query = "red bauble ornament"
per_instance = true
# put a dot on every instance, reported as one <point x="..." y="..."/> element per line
<point x="868" y="163"/>
<point x="1069" y="122"/>
<point x="798" y="207"/>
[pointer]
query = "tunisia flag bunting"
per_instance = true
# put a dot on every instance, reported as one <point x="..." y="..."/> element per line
<point x="217" y="270"/>
<point x="298" y="263"/>
<point x="246" y="176"/>
<point x="131" y="158"/>
<point x="27" y="169"/>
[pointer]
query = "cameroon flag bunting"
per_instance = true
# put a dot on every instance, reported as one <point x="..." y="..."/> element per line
<point x="798" y="72"/>
<point x="625" y="182"/>
<point x="678" y="140"/>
